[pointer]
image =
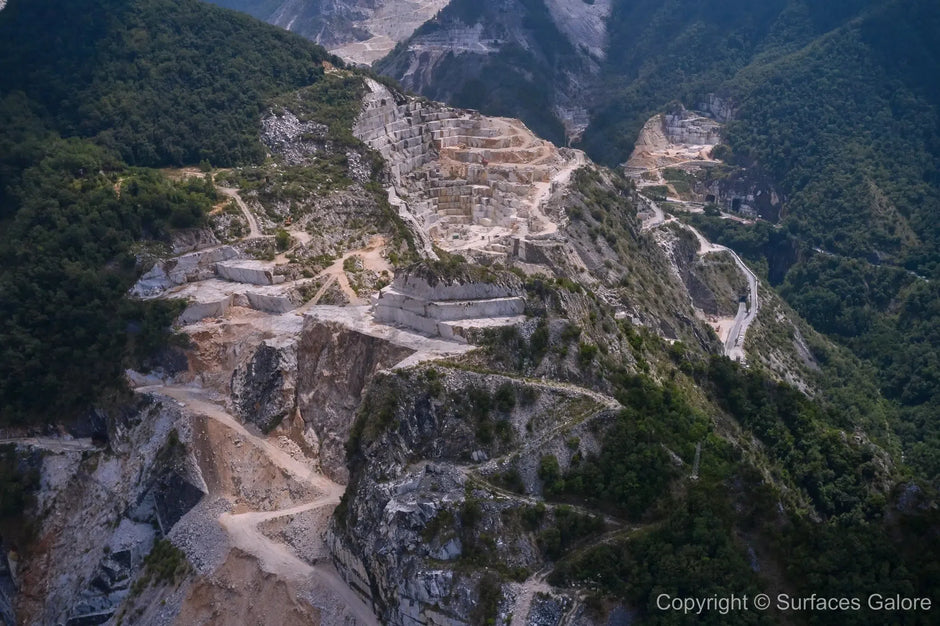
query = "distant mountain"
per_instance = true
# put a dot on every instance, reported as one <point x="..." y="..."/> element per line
<point x="358" y="30"/>
<point x="538" y="60"/>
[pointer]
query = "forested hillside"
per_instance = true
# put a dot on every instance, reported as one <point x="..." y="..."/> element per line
<point x="106" y="86"/>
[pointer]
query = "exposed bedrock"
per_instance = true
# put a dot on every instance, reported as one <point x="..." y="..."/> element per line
<point x="264" y="386"/>
<point x="420" y="465"/>
<point x="131" y="494"/>
<point x="334" y="364"/>
<point x="685" y="127"/>
<point x="251" y="272"/>
<point x="181" y="270"/>
<point x="457" y="168"/>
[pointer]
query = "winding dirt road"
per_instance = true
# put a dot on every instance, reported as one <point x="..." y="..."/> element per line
<point x="243" y="528"/>
<point x="254" y="231"/>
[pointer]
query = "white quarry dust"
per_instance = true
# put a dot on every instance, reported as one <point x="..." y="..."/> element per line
<point x="330" y="592"/>
<point x="655" y="151"/>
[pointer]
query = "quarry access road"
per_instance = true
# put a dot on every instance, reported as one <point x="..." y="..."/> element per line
<point x="747" y="311"/>
<point x="242" y="528"/>
<point x="733" y="346"/>
<point x="658" y="219"/>
<point x="254" y="231"/>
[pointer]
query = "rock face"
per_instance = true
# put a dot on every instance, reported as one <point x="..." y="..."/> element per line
<point x="334" y="364"/>
<point x="472" y="43"/>
<point x="748" y="192"/>
<point x="423" y="508"/>
<point x="149" y="479"/>
<point x="357" y="30"/>
<point x="718" y="108"/>
<point x="689" y="128"/>
<point x="584" y="23"/>
<point x="181" y="270"/>
<point x="264" y="387"/>
<point x="251" y="272"/>
<point x="459" y="174"/>
<point x="673" y="139"/>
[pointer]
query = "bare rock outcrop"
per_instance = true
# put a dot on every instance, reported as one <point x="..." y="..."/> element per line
<point x="264" y="386"/>
<point x="425" y="520"/>
<point x="285" y="135"/>
<point x="334" y="364"/>
<point x="451" y="306"/>
<point x="132" y="493"/>
<point x="461" y="176"/>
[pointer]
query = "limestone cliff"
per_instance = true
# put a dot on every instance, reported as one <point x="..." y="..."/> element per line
<point x="426" y="516"/>
<point x="131" y="493"/>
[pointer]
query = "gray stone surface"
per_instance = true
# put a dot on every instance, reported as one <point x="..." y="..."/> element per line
<point x="169" y="273"/>
<point x="264" y="386"/>
<point x="250" y="272"/>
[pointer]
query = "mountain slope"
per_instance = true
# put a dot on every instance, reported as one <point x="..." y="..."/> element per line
<point x="158" y="95"/>
<point x="830" y="106"/>
<point x="818" y="91"/>
<point x="518" y="59"/>
<point x="358" y="30"/>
